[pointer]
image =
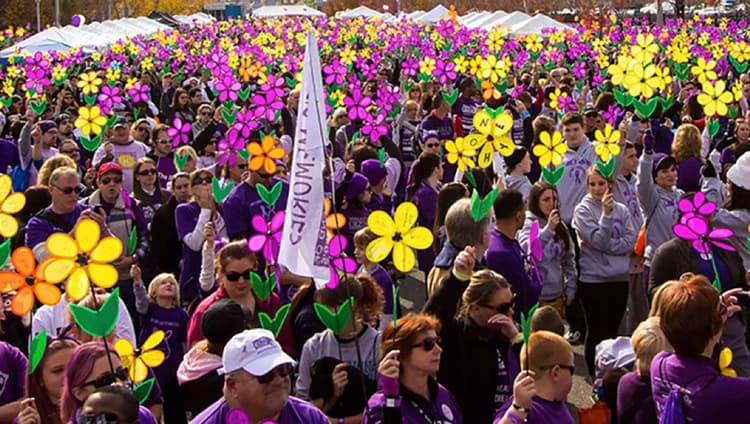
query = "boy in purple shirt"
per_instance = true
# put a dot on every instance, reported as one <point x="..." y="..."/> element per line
<point x="257" y="384"/>
<point x="539" y="393"/>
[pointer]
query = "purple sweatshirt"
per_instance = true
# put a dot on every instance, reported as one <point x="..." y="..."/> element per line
<point x="504" y="256"/>
<point x="186" y="218"/>
<point x="689" y="174"/>
<point x="425" y="199"/>
<point x="707" y="396"/>
<point x="634" y="401"/>
<point x="294" y="412"/>
<point x="38" y="229"/>
<point x="174" y="323"/>
<point x="13" y="369"/>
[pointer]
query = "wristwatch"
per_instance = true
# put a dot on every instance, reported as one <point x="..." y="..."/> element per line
<point x="520" y="408"/>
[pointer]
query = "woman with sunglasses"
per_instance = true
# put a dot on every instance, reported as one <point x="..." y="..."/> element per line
<point x="481" y="343"/>
<point x="336" y="367"/>
<point x="46" y="382"/>
<point x="606" y="236"/>
<point x="89" y="368"/>
<point x="409" y="391"/>
<point x="146" y="188"/>
<point x="233" y="265"/>
<point x="141" y="131"/>
<point x="556" y="271"/>
<point x="162" y="153"/>
<point x="191" y="218"/>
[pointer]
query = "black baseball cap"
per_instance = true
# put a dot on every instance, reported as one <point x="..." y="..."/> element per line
<point x="224" y="319"/>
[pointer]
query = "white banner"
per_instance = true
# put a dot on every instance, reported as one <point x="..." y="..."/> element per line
<point x="304" y="248"/>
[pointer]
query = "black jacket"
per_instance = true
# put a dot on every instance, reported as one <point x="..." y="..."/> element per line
<point x="469" y="364"/>
<point x="164" y="241"/>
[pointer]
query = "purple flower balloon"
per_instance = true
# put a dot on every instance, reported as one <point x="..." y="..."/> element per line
<point x="228" y="148"/>
<point x="697" y="230"/>
<point x="444" y="71"/>
<point x="108" y="97"/>
<point x="334" y="72"/>
<point x="180" y="132"/>
<point x="339" y="261"/>
<point x="267" y="105"/>
<point x="698" y="205"/>
<point x="357" y="104"/>
<point x="375" y="128"/>
<point x="245" y="123"/>
<point x="274" y="85"/>
<point x="269" y="238"/>
<point x="227" y="89"/>
<point x="139" y="92"/>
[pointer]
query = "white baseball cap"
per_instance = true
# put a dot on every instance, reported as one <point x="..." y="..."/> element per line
<point x="255" y="351"/>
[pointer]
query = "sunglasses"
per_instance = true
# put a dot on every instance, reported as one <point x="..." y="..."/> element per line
<point x="69" y="151"/>
<point x="234" y="276"/>
<point x="202" y="180"/>
<point x="571" y="368"/>
<point x="432" y="145"/>
<point x="503" y="307"/>
<point x="68" y="190"/>
<point x="147" y="172"/>
<point x="116" y="180"/>
<point x="164" y="141"/>
<point x="102" y="418"/>
<point x="428" y="343"/>
<point x="242" y="165"/>
<point x="205" y="113"/>
<point x="142" y="129"/>
<point x="282" y="371"/>
<point x="121" y="374"/>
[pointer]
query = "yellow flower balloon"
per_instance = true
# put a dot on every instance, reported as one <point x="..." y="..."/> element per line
<point x="399" y="235"/>
<point x="725" y="359"/>
<point x="460" y="152"/>
<point x="704" y="70"/>
<point x="139" y="361"/>
<point x="645" y="48"/>
<point x="90" y="120"/>
<point x="10" y="204"/>
<point x="89" y="82"/>
<point x="714" y="98"/>
<point x="83" y="259"/>
<point x="607" y="143"/>
<point x="642" y="80"/>
<point x="551" y="149"/>
<point x="493" y="133"/>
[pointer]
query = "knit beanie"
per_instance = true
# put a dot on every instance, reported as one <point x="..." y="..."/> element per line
<point x="357" y="185"/>
<point x="373" y="171"/>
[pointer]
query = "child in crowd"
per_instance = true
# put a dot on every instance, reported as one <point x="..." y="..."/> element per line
<point x="160" y="310"/>
<point x="540" y="391"/>
<point x="362" y="238"/>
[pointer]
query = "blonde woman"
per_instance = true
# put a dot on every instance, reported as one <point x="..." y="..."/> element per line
<point x="686" y="149"/>
<point x="160" y="310"/>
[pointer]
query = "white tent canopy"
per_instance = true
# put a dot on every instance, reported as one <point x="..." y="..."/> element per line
<point x="88" y="37"/>
<point x="198" y="18"/>
<point x="361" y="11"/>
<point x="488" y="19"/>
<point x="508" y="21"/>
<point x="433" y="15"/>
<point x="276" y="11"/>
<point x="536" y="24"/>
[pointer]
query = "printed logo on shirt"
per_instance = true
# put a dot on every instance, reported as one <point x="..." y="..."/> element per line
<point x="126" y="161"/>
<point x="3" y="382"/>
<point x="447" y="413"/>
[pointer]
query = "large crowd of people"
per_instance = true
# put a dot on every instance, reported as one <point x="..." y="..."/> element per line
<point x="614" y="201"/>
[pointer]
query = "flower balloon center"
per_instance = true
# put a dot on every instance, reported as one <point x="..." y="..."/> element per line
<point x="397" y="237"/>
<point x="82" y="259"/>
<point x="30" y="280"/>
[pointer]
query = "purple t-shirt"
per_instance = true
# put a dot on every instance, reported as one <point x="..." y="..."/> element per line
<point x="634" y="401"/>
<point x="8" y="156"/>
<point x="243" y="203"/>
<point x="542" y="412"/>
<point x="295" y="411"/>
<point x="13" y="369"/>
<point x="465" y="107"/>
<point x="173" y="322"/>
<point x="505" y="256"/>
<point x="425" y="198"/>
<point x="442" y="408"/>
<point x="38" y="229"/>
<point x="165" y="168"/>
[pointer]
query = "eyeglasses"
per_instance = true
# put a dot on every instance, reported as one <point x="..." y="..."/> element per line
<point x="147" y="172"/>
<point x="282" y="371"/>
<point x="121" y="374"/>
<point x="68" y="190"/>
<point x="202" y="180"/>
<point x="234" y="276"/>
<point x="428" y="343"/>
<point x="102" y="418"/>
<point x="69" y="151"/>
<point x="116" y="180"/>
<point x="164" y="141"/>
<point x="142" y="129"/>
<point x="571" y="368"/>
<point x="503" y="307"/>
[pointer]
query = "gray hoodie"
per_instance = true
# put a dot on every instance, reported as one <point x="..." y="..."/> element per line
<point x="626" y="193"/>
<point x="605" y="241"/>
<point x="736" y="220"/>
<point x="572" y="187"/>
<point x="520" y="183"/>
<point x="658" y="207"/>
<point x="326" y="344"/>
<point x="557" y="267"/>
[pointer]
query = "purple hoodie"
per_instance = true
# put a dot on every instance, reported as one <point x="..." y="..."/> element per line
<point x="294" y="412"/>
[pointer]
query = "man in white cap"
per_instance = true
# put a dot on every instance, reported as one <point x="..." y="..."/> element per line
<point x="257" y="382"/>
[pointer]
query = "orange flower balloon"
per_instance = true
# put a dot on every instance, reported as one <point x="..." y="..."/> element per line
<point x="265" y="154"/>
<point x="334" y="221"/>
<point x="27" y="282"/>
